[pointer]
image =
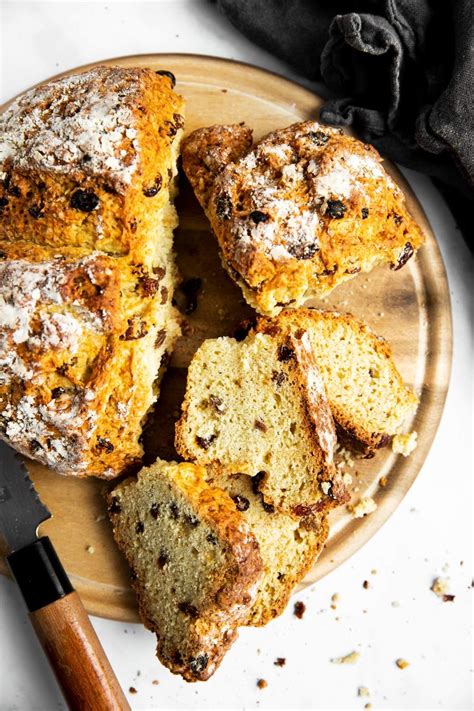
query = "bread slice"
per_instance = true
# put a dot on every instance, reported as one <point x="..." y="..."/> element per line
<point x="87" y="273"/>
<point x="367" y="396"/>
<point x="195" y="563"/>
<point x="300" y="212"/>
<point x="258" y="407"/>
<point x="289" y="547"/>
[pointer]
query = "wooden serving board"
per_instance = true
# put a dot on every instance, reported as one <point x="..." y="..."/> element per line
<point x="410" y="307"/>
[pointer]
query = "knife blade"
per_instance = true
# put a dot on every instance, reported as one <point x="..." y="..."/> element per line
<point x="21" y="509"/>
<point x="56" y="611"/>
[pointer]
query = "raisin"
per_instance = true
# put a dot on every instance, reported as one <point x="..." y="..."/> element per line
<point x="319" y="138"/>
<point x="285" y="353"/>
<point x="163" y="559"/>
<point x="190" y="289"/>
<point x="136" y="329"/>
<point x="109" y="189"/>
<point x="148" y="285"/>
<point x="278" y="377"/>
<point x="178" y="120"/>
<point x="243" y="329"/>
<point x="86" y="158"/>
<point x="223" y="205"/>
<point x="199" y="663"/>
<point x="159" y="272"/>
<point x="280" y="662"/>
<point x="305" y="250"/>
<point x="104" y="445"/>
<point x="36" y="211"/>
<point x="211" y="539"/>
<point x="3" y="203"/>
<point x="155" y="510"/>
<point x="160" y="338"/>
<point x="398" y="219"/>
<point x="188" y="609"/>
<point x="256" y="481"/>
<point x="353" y="270"/>
<point x="335" y="209"/>
<point x="164" y="294"/>
<point x="299" y="609"/>
<point x="115" y="506"/>
<point x="178" y="658"/>
<point x="259" y="425"/>
<point x="448" y="598"/>
<point x="403" y="257"/>
<point x="191" y="520"/>
<point x="132" y="225"/>
<point x="241" y="502"/>
<point x="15" y="191"/>
<point x="269" y="508"/>
<point x="57" y="392"/>
<point x="365" y="584"/>
<point x="170" y="75"/>
<point x="365" y="213"/>
<point x="205" y="442"/>
<point x="174" y="510"/>
<point x="35" y="446"/>
<point x="140" y="527"/>
<point x="3" y="255"/>
<point x="155" y="188"/>
<point x="257" y="216"/>
<point x="217" y="404"/>
<point x="84" y="200"/>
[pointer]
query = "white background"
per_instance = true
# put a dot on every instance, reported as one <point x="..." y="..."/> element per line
<point x="429" y="535"/>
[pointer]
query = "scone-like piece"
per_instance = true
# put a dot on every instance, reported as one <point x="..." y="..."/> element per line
<point x="83" y="338"/>
<point x="87" y="160"/>
<point x="289" y="547"/>
<point x="305" y="209"/>
<point x="258" y="407"/>
<point x="367" y="396"/>
<point x="195" y="563"/>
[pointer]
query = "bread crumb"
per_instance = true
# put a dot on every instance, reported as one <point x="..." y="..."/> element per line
<point x="383" y="481"/>
<point x="280" y="662"/>
<point x="155" y="682"/>
<point x="351" y="658"/>
<point x="336" y="597"/>
<point x="366" y="505"/>
<point x="402" y="663"/>
<point x="262" y="683"/>
<point x="440" y="586"/>
<point x="404" y="444"/>
<point x="363" y="691"/>
<point x="373" y="571"/>
<point x="366" y="584"/>
<point x="299" y="609"/>
<point x="90" y="550"/>
<point x="132" y="690"/>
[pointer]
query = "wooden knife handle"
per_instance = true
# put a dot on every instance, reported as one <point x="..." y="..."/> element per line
<point x="65" y="631"/>
<point x="76" y="656"/>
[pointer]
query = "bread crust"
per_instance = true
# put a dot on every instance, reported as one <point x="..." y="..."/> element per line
<point x="350" y="432"/>
<point x="305" y="209"/>
<point x="86" y="265"/>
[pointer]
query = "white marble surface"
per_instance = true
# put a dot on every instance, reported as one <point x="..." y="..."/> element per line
<point x="429" y="535"/>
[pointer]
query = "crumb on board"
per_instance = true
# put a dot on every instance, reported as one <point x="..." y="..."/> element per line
<point x="155" y="682"/>
<point x="262" y="683"/>
<point x="404" y="444"/>
<point x="299" y="609"/>
<point x="366" y="584"/>
<point x="363" y="691"/>
<point x="373" y="571"/>
<point x="440" y="587"/>
<point x="280" y="661"/>
<point x="351" y="658"/>
<point x="366" y="505"/>
<point x="90" y="550"/>
<point x="132" y="690"/>
<point x="402" y="663"/>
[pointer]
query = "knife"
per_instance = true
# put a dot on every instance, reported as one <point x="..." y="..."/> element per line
<point x="55" y="609"/>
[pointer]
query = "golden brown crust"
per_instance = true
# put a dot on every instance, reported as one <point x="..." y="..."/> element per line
<point x="86" y="266"/>
<point x="354" y="433"/>
<point x="302" y="211"/>
<point x="211" y="630"/>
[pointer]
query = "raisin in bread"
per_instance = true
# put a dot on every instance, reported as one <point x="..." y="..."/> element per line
<point x="289" y="547"/>
<point x="195" y="563"/>
<point x="303" y="210"/>
<point x="367" y="396"/>
<point x="87" y="179"/>
<point x="258" y="407"/>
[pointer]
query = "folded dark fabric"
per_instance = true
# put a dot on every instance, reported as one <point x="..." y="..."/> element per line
<point x="401" y="72"/>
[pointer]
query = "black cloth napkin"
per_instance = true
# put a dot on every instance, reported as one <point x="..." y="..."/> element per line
<point x="400" y="72"/>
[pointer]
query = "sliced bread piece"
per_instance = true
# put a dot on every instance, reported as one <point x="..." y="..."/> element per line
<point x="367" y="396"/>
<point x="289" y="547"/>
<point x="258" y="407"/>
<point x="195" y="563"/>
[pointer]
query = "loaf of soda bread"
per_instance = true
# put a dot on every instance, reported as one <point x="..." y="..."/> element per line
<point x="87" y="179"/>
<point x="196" y="564"/>
<point x="300" y="212"/>
<point x="259" y="407"/>
<point x="289" y="547"/>
<point x="367" y="396"/>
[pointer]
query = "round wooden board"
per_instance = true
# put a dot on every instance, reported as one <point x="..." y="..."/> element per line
<point x="410" y="307"/>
